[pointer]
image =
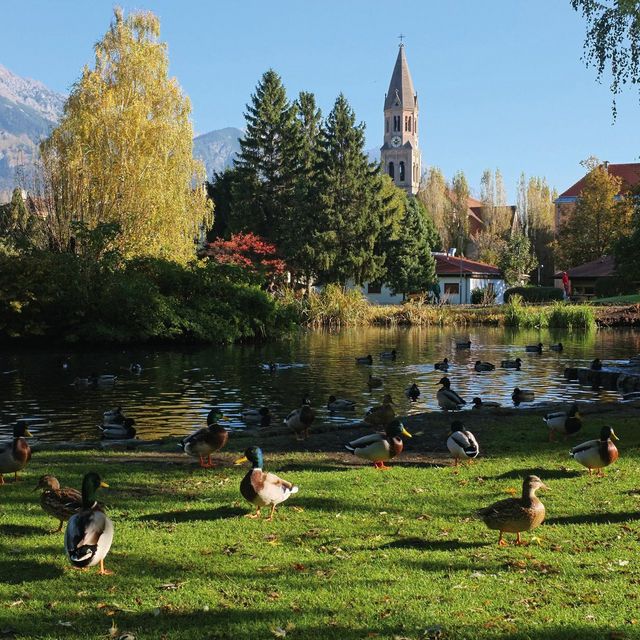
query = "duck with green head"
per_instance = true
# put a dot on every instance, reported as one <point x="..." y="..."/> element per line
<point x="380" y="447"/>
<point x="89" y="533"/>
<point x="597" y="454"/>
<point x="261" y="488"/>
<point x="15" y="455"/>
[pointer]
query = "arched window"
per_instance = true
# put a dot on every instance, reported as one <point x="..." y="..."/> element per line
<point x="386" y="125"/>
<point x="409" y="129"/>
<point x="396" y="123"/>
<point x="392" y="171"/>
<point x="401" y="171"/>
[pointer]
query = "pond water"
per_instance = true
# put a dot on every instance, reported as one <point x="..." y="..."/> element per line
<point x="178" y="386"/>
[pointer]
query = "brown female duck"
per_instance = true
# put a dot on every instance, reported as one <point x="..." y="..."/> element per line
<point x="14" y="455"/>
<point x="57" y="502"/>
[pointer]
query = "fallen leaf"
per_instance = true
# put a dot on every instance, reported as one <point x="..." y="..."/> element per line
<point x="65" y="624"/>
<point x="172" y="586"/>
<point x="279" y="632"/>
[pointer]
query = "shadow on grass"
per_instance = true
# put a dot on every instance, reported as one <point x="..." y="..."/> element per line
<point x="220" y="513"/>
<point x="596" y="518"/>
<point x="431" y="545"/>
<point x="545" y="474"/>
<point x="316" y="467"/>
<point x="16" y="530"/>
<point x="19" y="571"/>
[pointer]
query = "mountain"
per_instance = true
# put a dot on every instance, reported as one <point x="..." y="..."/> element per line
<point x="28" y="111"/>
<point x="217" y="149"/>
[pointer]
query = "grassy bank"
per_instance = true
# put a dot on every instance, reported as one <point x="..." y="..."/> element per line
<point x="355" y="554"/>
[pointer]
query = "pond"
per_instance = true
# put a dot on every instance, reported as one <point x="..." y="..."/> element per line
<point x="178" y="386"/>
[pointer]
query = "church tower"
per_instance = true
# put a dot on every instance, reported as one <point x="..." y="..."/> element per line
<point x="400" y="154"/>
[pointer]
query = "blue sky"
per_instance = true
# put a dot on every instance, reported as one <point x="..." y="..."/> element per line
<point x="500" y="82"/>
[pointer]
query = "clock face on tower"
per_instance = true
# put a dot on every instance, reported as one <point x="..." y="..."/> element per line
<point x="395" y="141"/>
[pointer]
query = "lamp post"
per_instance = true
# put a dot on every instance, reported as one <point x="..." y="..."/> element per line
<point x="539" y="267"/>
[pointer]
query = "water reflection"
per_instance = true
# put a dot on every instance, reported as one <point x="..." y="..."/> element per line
<point x="178" y="386"/>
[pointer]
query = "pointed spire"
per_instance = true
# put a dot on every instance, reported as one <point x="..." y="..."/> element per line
<point x="401" y="92"/>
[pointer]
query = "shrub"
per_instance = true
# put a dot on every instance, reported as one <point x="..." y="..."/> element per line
<point x="614" y="286"/>
<point x="534" y="294"/>
<point x="483" y="295"/>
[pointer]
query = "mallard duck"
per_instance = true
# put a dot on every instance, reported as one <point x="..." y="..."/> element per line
<point x="261" y="416"/>
<point x="260" y="488"/>
<point x="378" y="447"/>
<point x="479" y="403"/>
<point x="565" y="422"/>
<point x="534" y="348"/>
<point x="412" y="392"/>
<point x="447" y="398"/>
<point x="443" y="365"/>
<point x="113" y="416"/>
<point x="596" y="365"/>
<point x="597" y="454"/>
<point x="483" y="366"/>
<point x="511" y="364"/>
<point x="115" y="431"/>
<point x="374" y="382"/>
<point x="382" y="414"/>
<point x="522" y="395"/>
<point x="462" y="443"/>
<point x="214" y="416"/>
<point x="515" y="515"/>
<point x="14" y="455"/>
<point x="300" y="420"/>
<point x="89" y="533"/>
<point x="203" y="442"/>
<point x="389" y="355"/>
<point x="340" y="404"/>
<point x="463" y="345"/>
<point x="57" y="502"/>
<point x="556" y="347"/>
<point x="104" y="379"/>
<point x="135" y="368"/>
<point x="364" y="359"/>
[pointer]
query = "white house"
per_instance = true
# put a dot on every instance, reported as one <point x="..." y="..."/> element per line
<point x="457" y="278"/>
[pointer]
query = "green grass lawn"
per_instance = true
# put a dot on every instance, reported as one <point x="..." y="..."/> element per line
<point x="630" y="299"/>
<point x="357" y="553"/>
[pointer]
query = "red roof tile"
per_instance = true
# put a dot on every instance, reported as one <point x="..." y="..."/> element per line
<point x="629" y="172"/>
<point x="599" y="268"/>
<point x="451" y="266"/>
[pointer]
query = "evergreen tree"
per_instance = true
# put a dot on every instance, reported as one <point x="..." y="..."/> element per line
<point x="410" y="265"/>
<point x="267" y="164"/>
<point x="352" y="209"/>
<point x="220" y="192"/>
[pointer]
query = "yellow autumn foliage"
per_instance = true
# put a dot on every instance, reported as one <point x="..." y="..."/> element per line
<point x="122" y="152"/>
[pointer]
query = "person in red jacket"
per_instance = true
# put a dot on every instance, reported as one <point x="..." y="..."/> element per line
<point x="566" y="284"/>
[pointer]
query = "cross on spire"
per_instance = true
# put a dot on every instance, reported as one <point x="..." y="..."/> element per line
<point x="401" y="38"/>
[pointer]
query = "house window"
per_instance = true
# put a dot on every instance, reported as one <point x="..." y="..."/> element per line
<point x="374" y="287"/>
<point x="401" y="171"/>
<point x="452" y="288"/>
<point x="491" y="288"/>
<point x="392" y="171"/>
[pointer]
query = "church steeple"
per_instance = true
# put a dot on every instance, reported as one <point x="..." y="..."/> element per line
<point x="400" y="155"/>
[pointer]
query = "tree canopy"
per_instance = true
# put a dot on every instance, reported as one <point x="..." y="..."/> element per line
<point x="122" y="152"/>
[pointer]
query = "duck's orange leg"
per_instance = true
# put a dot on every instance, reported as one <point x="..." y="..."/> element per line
<point x="501" y="541"/>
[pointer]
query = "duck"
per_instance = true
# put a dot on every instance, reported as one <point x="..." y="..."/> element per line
<point x="113" y="416"/>
<point x="378" y="447"/>
<point x="364" y="359"/>
<point x="483" y="366"/>
<point x="565" y="422"/>
<point x="261" y="416"/>
<point x="374" y="382"/>
<point x="556" y="347"/>
<point x="534" y="348"/>
<point x="511" y="364"/>
<point x="443" y="365"/>
<point x="447" y="398"/>
<point x="389" y="355"/>
<point x="260" y="488"/>
<point x="515" y="515"/>
<point x="479" y="403"/>
<point x="382" y="414"/>
<point x="57" y="502"/>
<point x="116" y="431"/>
<point x="463" y="345"/>
<point x="15" y="455"/>
<point x="522" y="395"/>
<point x="203" y="442"/>
<point x="300" y="420"/>
<point x="461" y="443"/>
<point x="81" y="383"/>
<point x="412" y="392"/>
<point x="596" y="365"/>
<point x="597" y="454"/>
<point x="135" y="368"/>
<point x="89" y="533"/>
<point x="104" y="379"/>
<point x="340" y="404"/>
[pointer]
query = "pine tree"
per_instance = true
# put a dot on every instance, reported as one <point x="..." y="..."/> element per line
<point x="410" y="265"/>
<point x="268" y="162"/>
<point x="352" y="209"/>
